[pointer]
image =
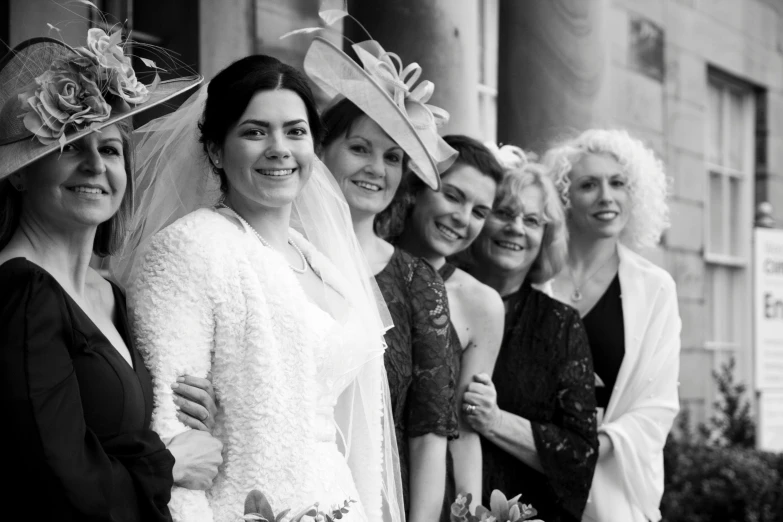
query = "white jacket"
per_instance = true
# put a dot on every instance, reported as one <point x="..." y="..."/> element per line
<point x="628" y="483"/>
<point x="208" y="297"/>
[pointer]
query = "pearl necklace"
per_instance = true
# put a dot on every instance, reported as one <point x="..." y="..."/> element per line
<point x="576" y="295"/>
<point x="266" y="243"/>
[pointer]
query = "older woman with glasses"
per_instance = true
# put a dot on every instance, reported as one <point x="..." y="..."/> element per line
<point x="536" y="415"/>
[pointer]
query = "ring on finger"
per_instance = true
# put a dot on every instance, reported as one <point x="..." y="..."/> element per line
<point x="469" y="408"/>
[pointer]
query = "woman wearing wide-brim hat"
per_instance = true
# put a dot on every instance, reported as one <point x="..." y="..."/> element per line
<point x="76" y="394"/>
<point x="378" y="125"/>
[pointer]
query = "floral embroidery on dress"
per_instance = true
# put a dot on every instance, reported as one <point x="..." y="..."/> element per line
<point x="420" y="355"/>
<point x="544" y="373"/>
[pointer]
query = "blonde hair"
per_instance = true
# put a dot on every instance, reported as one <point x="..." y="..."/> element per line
<point x="648" y="184"/>
<point x="554" y="243"/>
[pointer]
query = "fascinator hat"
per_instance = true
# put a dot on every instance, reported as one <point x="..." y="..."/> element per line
<point x="386" y="92"/>
<point x="52" y="94"/>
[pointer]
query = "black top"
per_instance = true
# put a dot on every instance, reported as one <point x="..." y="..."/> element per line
<point x="77" y="439"/>
<point x="544" y="374"/>
<point x="419" y="359"/>
<point x="606" y="333"/>
<point x="446" y="271"/>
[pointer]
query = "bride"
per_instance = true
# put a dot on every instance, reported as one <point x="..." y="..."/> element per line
<point x="285" y="322"/>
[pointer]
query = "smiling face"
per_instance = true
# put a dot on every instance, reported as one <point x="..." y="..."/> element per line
<point x="82" y="186"/>
<point x="511" y="239"/>
<point x="267" y="154"/>
<point x="600" y="201"/>
<point x="447" y="221"/>
<point x="367" y="165"/>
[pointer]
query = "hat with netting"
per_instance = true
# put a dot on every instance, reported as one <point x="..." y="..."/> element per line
<point x="52" y="94"/>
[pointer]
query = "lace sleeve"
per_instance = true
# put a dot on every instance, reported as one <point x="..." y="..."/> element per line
<point x="432" y="401"/>
<point x="568" y="446"/>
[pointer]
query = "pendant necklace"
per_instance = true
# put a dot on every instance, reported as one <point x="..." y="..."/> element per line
<point x="576" y="295"/>
<point x="266" y="243"/>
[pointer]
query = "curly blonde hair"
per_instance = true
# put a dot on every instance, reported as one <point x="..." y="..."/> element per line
<point x="648" y="185"/>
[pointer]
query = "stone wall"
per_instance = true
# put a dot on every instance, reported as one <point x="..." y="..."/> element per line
<point x="743" y="38"/>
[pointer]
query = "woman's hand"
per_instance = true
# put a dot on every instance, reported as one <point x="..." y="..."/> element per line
<point x="605" y="445"/>
<point x="480" y="404"/>
<point x="197" y="455"/>
<point x="195" y="398"/>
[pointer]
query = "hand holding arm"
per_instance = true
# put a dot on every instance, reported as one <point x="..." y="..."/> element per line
<point x="195" y="398"/>
<point x="509" y="432"/>
<point x="197" y="456"/>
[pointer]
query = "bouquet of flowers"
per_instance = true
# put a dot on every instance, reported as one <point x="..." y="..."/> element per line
<point x="258" y="509"/>
<point x="501" y="510"/>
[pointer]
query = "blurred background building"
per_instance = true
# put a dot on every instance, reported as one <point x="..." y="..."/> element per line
<point x="700" y="81"/>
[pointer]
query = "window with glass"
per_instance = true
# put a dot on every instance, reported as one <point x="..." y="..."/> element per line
<point x="729" y="220"/>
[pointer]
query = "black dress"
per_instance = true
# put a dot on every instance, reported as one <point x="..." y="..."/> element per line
<point x="420" y="357"/>
<point x="446" y="271"/>
<point x="544" y="373"/>
<point x="605" y="329"/>
<point x="77" y="440"/>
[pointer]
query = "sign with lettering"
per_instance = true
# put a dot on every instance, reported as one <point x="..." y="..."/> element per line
<point x="768" y="308"/>
<point x="770" y="436"/>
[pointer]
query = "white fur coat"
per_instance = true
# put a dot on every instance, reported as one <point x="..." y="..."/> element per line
<point x="208" y="297"/>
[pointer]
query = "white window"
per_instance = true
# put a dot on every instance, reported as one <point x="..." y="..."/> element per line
<point x="488" y="68"/>
<point x="729" y="220"/>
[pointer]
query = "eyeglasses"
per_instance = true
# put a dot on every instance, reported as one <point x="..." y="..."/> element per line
<point x="507" y="216"/>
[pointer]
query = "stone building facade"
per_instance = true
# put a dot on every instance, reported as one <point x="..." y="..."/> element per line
<point x="700" y="81"/>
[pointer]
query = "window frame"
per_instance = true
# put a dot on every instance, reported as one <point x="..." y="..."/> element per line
<point x="735" y="255"/>
<point x="487" y="87"/>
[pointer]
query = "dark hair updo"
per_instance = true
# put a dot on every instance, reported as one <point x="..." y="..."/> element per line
<point x="230" y="92"/>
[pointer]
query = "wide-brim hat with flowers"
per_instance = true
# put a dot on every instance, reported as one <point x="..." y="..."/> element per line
<point x="52" y="94"/>
<point x="384" y="90"/>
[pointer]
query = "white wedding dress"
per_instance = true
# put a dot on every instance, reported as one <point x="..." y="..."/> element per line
<point x="209" y="299"/>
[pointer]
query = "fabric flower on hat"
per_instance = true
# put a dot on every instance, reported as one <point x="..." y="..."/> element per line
<point x="66" y="95"/>
<point x="71" y="94"/>
<point x="116" y="67"/>
<point x="511" y="156"/>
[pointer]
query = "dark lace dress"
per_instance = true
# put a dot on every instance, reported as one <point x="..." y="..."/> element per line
<point x="544" y="373"/>
<point x="420" y="355"/>
<point x="77" y="415"/>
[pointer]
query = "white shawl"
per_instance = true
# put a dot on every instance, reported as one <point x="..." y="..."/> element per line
<point x="628" y="482"/>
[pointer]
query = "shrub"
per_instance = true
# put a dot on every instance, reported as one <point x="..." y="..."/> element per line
<point x="713" y="473"/>
<point x="704" y="483"/>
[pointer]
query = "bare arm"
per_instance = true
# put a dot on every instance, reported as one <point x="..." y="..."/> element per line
<point x="488" y="315"/>
<point x="427" y="476"/>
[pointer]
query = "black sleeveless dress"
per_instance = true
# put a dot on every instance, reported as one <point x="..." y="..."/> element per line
<point x="446" y="271"/>
<point x="605" y="329"/>
<point x="77" y="438"/>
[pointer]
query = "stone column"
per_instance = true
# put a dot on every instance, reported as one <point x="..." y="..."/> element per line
<point x="226" y="34"/>
<point x="441" y="36"/>
<point x="552" y="58"/>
